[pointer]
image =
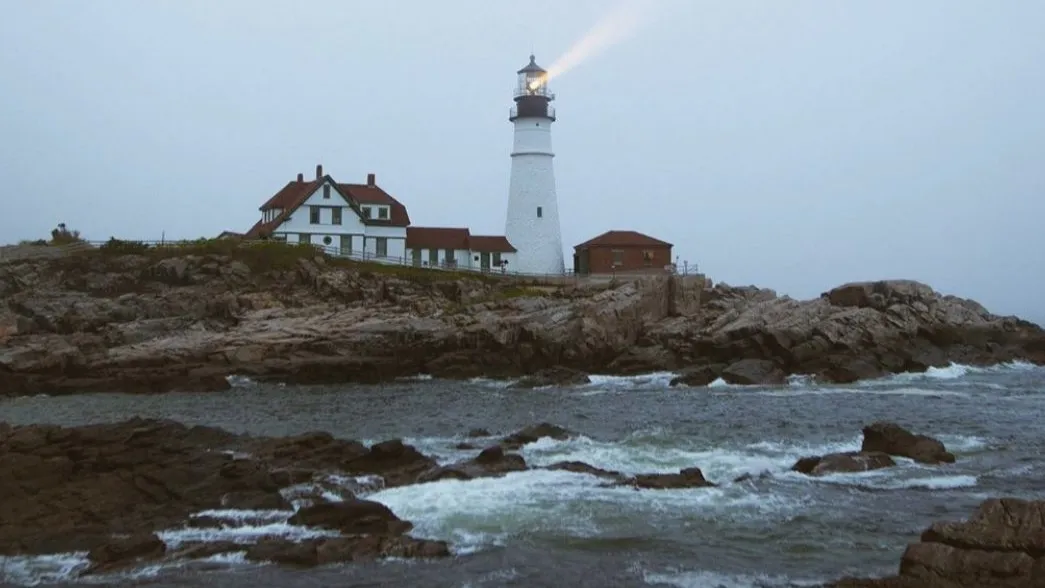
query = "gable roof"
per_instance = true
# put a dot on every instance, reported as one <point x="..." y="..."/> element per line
<point x="623" y="239"/>
<point x="455" y="238"/>
<point x="436" y="238"/>
<point x="490" y="244"/>
<point x="295" y="193"/>
<point x="366" y="194"/>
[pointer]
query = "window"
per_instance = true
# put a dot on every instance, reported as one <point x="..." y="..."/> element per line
<point x="304" y="238"/>
<point x="327" y="240"/>
<point x="497" y="259"/>
<point x="326" y="191"/>
<point x="366" y="212"/>
<point x="313" y="215"/>
<point x="382" y="212"/>
<point x="540" y="212"/>
<point x="647" y="258"/>
<point x="618" y="257"/>
<point x="279" y="238"/>
<point x="335" y="215"/>
<point x="382" y="246"/>
<point x="451" y="259"/>
<point x="433" y="257"/>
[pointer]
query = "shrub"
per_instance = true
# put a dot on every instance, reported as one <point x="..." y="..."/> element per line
<point x="61" y="235"/>
<point x="121" y="247"/>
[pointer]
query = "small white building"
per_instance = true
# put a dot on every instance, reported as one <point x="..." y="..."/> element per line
<point x="457" y="248"/>
<point x="365" y="222"/>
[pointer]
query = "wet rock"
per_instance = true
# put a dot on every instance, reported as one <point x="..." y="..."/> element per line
<point x="1000" y="546"/>
<point x="846" y="370"/>
<point x="255" y="500"/>
<point x="478" y="433"/>
<point x="316" y="552"/>
<point x="204" y="550"/>
<point x="752" y="476"/>
<point x="699" y="376"/>
<point x="754" y="372"/>
<point x="687" y="478"/>
<point x="394" y="461"/>
<point x="555" y="376"/>
<point x="102" y="322"/>
<point x="838" y="463"/>
<point x="533" y="433"/>
<point x="465" y="446"/>
<point x="490" y="462"/>
<point x="121" y="553"/>
<point x="353" y="517"/>
<point x="73" y="489"/>
<point x="579" y="467"/>
<point x="895" y="440"/>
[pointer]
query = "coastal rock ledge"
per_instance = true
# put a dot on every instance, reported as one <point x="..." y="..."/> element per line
<point x="1001" y="546"/>
<point x="162" y="320"/>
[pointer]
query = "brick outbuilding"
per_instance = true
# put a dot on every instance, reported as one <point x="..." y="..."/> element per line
<point x="621" y="251"/>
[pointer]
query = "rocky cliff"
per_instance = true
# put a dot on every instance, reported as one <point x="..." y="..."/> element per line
<point x="155" y="321"/>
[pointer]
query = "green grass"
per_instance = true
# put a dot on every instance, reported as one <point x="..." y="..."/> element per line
<point x="409" y="272"/>
<point x="263" y="256"/>
<point x="258" y="255"/>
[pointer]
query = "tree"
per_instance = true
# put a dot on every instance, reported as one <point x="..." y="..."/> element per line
<point x="63" y="236"/>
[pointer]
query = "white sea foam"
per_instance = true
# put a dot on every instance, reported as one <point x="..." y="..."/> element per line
<point x="477" y="514"/>
<point x="237" y="381"/>
<point x="905" y="391"/>
<point x="706" y="579"/>
<point x="636" y="455"/>
<point x="242" y="534"/>
<point x="650" y="381"/>
<point x="32" y="570"/>
<point x="956" y="371"/>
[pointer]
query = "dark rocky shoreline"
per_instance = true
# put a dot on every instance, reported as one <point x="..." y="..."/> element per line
<point x="156" y="321"/>
<point x="109" y="489"/>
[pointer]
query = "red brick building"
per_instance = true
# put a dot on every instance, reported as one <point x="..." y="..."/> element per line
<point x="621" y="251"/>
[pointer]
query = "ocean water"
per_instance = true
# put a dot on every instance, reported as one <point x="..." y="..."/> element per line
<point x="542" y="528"/>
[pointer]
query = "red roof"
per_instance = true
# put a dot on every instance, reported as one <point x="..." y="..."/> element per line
<point x="455" y="238"/>
<point x="295" y="193"/>
<point x="436" y="238"/>
<point x="623" y="239"/>
<point x="490" y="244"/>
<point x="364" y="194"/>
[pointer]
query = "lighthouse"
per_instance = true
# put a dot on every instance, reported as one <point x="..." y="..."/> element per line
<point x="532" y="224"/>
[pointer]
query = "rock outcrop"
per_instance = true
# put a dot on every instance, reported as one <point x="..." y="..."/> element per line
<point x="109" y="489"/>
<point x="151" y="322"/>
<point x="71" y="489"/>
<point x="882" y="441"/>
<point x="1001" y="546"/>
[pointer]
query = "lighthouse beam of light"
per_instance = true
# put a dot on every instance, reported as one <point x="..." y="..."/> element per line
<point x="618" y="25"/>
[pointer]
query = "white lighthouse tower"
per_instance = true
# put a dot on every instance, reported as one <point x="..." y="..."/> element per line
<point x="532" y="225"/>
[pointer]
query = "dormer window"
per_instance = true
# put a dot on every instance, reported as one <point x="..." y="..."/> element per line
<point x="366" y="212"/>
<point x="382" y="212"/>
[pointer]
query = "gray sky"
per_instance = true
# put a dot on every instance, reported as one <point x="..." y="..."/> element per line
<point x="794" y="145"/>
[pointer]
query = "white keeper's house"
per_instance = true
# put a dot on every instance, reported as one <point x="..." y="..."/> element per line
<point x="363" y="221"/>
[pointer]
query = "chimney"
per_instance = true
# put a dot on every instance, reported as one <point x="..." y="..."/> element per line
<point x="301" y="178"/>
<point x="371" y="180"/>
<point x="319" y="172"/>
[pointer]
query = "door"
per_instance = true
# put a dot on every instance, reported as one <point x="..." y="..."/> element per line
<point x="346" y="245"/>
<point x="416" y="255"/>
<point x="484" y="261"/>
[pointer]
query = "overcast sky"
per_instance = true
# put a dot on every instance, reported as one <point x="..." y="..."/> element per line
<point x="794" y="145"/>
